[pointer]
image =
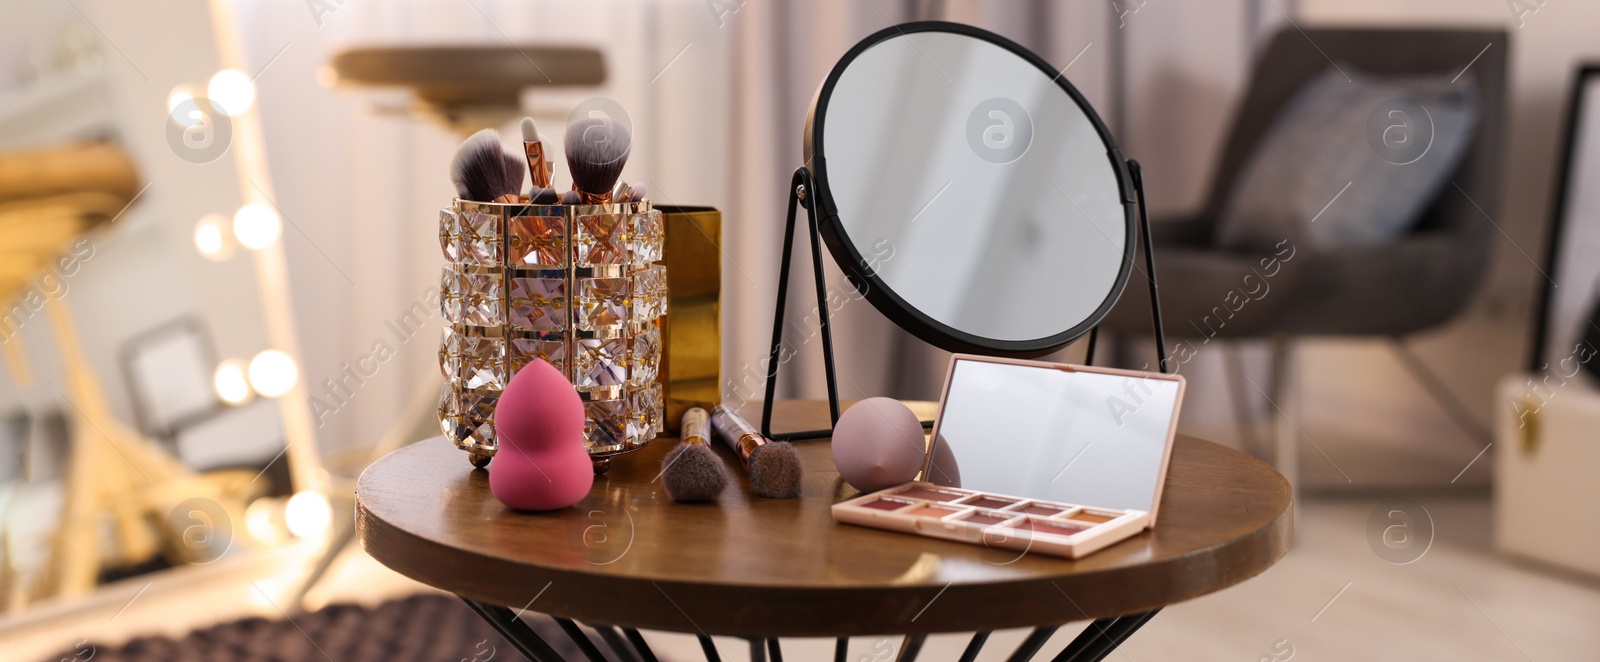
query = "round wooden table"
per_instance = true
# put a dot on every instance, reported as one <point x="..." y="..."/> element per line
<point x="765" y="568"/>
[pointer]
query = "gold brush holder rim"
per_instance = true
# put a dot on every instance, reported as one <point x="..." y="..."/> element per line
<point x="506" y="209"/>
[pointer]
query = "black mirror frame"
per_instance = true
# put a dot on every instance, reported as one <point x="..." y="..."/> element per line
<point x="823" y="226"/>
<point x="859" y="270"/>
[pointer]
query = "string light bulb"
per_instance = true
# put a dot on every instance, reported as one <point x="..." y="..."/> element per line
<point x="308" y="514"/>
<point x="256" y="224"/>
<point x="231" y="91"/>
<point x="272" y="373"/>
<point x="214" y="238"/>
<point x="175" y="100"/>
<point x="230" y="382"/>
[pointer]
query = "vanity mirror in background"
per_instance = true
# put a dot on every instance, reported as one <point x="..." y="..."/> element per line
<point x="155" y="420"/>
<point x="966" y="189"/>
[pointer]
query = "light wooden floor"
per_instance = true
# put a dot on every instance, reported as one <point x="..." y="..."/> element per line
<point x="1332" y="598"/>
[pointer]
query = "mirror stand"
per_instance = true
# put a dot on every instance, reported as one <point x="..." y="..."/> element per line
<point x="1136" y="173"/>
<point x="799" y="188"/>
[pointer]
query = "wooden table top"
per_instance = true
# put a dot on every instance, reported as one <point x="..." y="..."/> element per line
<point x="748" y="566"/>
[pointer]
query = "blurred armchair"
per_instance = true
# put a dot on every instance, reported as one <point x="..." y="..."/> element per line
<point x="1393" y="289"/>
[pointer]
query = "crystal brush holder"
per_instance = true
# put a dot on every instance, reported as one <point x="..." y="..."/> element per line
<point x="576" y="285"/>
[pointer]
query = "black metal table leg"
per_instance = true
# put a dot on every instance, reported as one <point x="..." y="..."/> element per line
<point x="522" y="637"/>
<point x="582" y="640"/>
<point x="974" y="647"/>
<point x="615" y="641"/>
<point x="1103" y="636"/>
<point x="1026" y="650"/>
<point x="639" y="646"/>
<point x="709" y="647"/>
<point x="910" y="647"/>
<point x="1095" y="643"/>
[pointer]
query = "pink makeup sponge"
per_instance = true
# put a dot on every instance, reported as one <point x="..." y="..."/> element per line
<point x="878" y="443"/>
<point x="944" y="470"/>
<point x="541" y="464"/>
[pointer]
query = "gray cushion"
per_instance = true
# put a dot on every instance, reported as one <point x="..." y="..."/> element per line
<point x="1350" y="162"/>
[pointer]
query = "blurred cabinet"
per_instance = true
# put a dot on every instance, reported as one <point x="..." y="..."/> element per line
<point x="1547" y="455"/>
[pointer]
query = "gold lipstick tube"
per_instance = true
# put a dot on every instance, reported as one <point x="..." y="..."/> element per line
<point x="738" y="433"/>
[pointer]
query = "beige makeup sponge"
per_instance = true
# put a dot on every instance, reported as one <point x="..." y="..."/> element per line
<point x="878" y="443"/>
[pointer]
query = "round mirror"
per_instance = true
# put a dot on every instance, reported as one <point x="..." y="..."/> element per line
<point x="970" y="190"/>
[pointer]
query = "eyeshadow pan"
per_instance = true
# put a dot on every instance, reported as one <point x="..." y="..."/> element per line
<point x="1060" y="529"/>
<point x="1095" y="518"/>
<point x="931" y="495"/>
<point x="1055" y="528"/>
<point x="932" y="510"/>
<point x="987" y="518"/>
<point x="1041" y="509"/>
<point x="987" y="501"/>
<point x="885" y="504"/>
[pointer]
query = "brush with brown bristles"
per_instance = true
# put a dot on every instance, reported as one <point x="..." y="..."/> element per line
<point x="691" y="471"/>
<point x="774" y="467"/>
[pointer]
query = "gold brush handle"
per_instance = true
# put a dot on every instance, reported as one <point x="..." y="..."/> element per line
<point x="696" y="428"/>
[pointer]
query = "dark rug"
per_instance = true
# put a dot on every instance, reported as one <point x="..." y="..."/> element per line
<point x="431" y="628"/>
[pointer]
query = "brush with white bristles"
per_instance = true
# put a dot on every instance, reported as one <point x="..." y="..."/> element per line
<point x="482" y="171"/>
<point x="597" y="149"/>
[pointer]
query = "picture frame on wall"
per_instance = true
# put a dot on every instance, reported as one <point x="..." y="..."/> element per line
<point x="1565" y="328"/>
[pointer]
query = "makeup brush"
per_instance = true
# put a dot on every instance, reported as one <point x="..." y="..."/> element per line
<point x="692" y="472"/>
<point x="479" y="170"/>
<point x="514" y="171"/>
<point x="774" y="467"/>
<point x="533" y="147"/>
<point x="571" y="198"/>
<point x="597" y="149"/>
<point x="638" y="193"/>
<point x="543" y="196"/>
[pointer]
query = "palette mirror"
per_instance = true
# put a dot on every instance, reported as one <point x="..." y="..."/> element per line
<point x="1046" y="432"/>
<point x="1058" y="459"/>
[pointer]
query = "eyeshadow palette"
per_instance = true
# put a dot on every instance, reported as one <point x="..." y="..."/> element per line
<point x="1056" y="529"/>
<point x="1063" y="460"/>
